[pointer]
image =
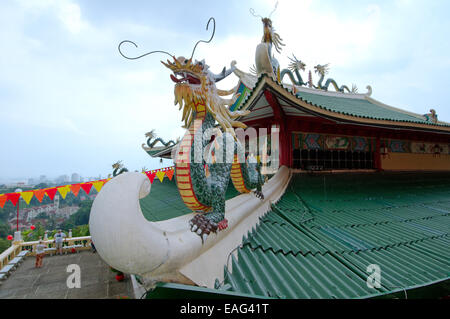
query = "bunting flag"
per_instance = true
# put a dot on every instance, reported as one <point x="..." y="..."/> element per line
<point x="86" y="187"/>
<point x="51" y="192"/>
<point x="63" y="190"/>
<point x="160" y="175"/>
<point x="27" y="196"/>
<point x="2" y="200"/>
<point x="169" y="173"/>
<point x="39" y="194"/>
<point x="13" y="198"/>
<point x="98" y="185"/>
<point x="75" y="188"/>
<point x="151" y="176"/>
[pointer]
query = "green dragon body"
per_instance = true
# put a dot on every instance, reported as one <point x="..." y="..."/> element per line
<point x="152" y="140"/>
<point x="202" y="179"/>
<point x="119" y="168"/>
<point x="295" y="66"/>
<point x="322" y="70"/>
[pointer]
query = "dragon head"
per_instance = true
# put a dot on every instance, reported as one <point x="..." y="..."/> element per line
<point x="191" y="85"/>
<point x="195" y="85"/>
<point x="150" y="134"/>
<point x="296" y="64"/>
<point x="117" y="165"/>
<point x="270" y="36"/>
<point x="321" y="69"/>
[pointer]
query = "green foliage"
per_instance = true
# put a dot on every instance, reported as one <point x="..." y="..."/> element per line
<point x="4" y="244"/>
<point x="81" y="217"/>
<point x="42" y="215"/>
<point x="5" y="230"/>
<point x="81" y="231"/>
<point x="33" y="235"/>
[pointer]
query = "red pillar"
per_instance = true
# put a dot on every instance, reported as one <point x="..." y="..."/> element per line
<point x="280" y="120"/>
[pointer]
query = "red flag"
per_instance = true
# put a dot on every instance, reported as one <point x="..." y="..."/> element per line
<point x="51" y="192"/>
<point x="13" y="197"/>
<point x="151" y="176"/>
<point x="75" y="188"/>
<point x="169" y="173"/>
<point x="86" y="187"/>
<point x="39" y="193"/>
<point x="3" y="199"/>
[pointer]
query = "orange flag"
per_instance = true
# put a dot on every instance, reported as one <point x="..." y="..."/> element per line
<point x="169" y="173"/>
<point x="75" y="188"/>
<point x="39" y="193"/>
<point x="2" y="200"/>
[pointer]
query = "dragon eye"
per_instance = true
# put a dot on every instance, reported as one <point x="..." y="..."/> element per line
<point x="185" y="61"/>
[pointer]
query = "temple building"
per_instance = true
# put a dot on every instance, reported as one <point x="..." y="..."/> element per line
<point x="325" y="130"/>
<point x="360" y="189"/>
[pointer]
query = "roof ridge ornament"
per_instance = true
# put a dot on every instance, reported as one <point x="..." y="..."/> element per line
<point x="265" y="61"/>
<point x="431" y="117"/>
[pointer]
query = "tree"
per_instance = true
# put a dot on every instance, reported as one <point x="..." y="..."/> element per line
<point x="81" y="217"/>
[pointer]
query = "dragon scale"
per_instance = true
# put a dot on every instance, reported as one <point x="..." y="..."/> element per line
<point x="203" y="180"/>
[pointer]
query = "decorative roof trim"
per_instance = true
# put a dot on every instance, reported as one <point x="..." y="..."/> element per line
<point x="318" y="109"/>
<point x="357" y="96"/>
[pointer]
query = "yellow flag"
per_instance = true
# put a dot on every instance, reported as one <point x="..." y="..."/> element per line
<point x="27" y="196"/>
<point x="160" y="175"/>
<point x="98" y="185"/>
<point x="63" y="190"/>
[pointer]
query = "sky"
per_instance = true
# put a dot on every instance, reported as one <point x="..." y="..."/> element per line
<point x="70" y="103"/>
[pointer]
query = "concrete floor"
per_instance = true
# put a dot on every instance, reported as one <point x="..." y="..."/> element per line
<point x="49" y="282"/>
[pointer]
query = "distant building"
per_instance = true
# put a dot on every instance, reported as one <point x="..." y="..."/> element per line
<point x="76" y="178"/>
<point x="63" y="179"/>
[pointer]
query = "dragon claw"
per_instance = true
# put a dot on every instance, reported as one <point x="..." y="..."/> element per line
<point x="259" y="195"/>
<point x="202" y="226"/>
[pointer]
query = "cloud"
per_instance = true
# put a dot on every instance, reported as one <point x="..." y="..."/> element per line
<point x="62" y="73"/>
<point x="67" y="12"/>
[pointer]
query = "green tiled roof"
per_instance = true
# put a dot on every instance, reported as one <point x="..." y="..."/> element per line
<point x="319" y="239"/>
<point x="164" y="201"/>
<point x="357" y="107"/>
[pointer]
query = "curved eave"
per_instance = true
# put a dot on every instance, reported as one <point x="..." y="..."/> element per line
<point x="161" y="151"/>
<point x="265" y="82"/>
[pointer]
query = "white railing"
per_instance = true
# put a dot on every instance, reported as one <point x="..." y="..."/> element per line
<point x="17" y="247"/>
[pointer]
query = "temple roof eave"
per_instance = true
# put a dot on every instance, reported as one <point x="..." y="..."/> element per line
<point x="285" y="92"/>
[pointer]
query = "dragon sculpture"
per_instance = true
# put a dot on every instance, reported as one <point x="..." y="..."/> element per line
<point x="265" y="60"/>
<point x="431" y="117"/>
<point x="119" y="168"/>
<point x="322" y="70"/>
<point x="152" y="139"/>
<point x="200" y="100"/>
<point x="295" y="66"/>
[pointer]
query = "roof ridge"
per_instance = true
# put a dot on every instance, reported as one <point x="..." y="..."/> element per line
<point x="396" y="109"/>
